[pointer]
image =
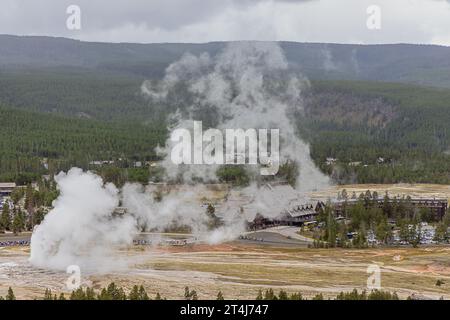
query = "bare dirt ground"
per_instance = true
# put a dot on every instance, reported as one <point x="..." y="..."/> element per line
<point x="239" y="270"/>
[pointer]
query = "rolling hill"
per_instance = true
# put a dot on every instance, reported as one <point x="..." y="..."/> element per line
<point x="419" y="64"/>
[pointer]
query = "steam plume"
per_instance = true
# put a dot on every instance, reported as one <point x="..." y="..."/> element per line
<point x="248" y="85"/>
<point x="80" y="229"/>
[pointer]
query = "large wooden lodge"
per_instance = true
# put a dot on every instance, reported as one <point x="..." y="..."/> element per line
<point x="299" y="215"/>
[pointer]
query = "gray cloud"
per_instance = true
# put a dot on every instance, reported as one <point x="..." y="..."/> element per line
<point x="416" y="21"/>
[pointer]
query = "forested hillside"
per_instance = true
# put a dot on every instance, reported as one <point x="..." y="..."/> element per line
<point x="27" y="139"/>
<point x="406" y="126"/>
<point x="354" y="122"/>
<point x="82" y="94"/>
<point x="77" y="102"/>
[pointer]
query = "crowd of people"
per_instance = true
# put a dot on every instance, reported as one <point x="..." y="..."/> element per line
<point x="14" y="243"/>
<point x="244" y="237"/>
<point x="143" y="242"/>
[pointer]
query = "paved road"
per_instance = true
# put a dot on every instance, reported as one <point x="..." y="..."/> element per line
<point x="292" y="233"/>
<point x="284" y="235"/>
<point x="271" y="239"/>
<point x="286" y="231"/>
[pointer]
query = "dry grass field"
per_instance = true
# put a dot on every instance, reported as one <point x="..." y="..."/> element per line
<point x="399" y="189"/>
<point x="239" y="270"/>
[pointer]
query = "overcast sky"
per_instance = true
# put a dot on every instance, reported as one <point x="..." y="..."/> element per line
<point x="342" y="21"/>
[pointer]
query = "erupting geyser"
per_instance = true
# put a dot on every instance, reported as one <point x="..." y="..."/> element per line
<point x="79" y="230"/>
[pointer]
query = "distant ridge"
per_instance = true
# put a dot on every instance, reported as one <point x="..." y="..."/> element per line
<point x="407" y="63"/>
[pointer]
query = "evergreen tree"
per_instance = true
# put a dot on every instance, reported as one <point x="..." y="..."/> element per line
<point x="29" y="198"/>
<point x="441" y="234"/>
<point x="318" y="296"/>
<point x="331" y="231"/>
<point x="270" y="295"/>
<point x="404" y="233"/>
<point x="143" y="294"/>
<point x="37" y="218"/>
<point x="382" y="295"/>
<point x="138" y="293"/>
<point x="18" y="222"/>
<point x="283" y="295"/>
<point x="387" y="207"/>
<point x="260" y="295"/>
<point x="187" y="293"/>
<point x="78" y="294"/>
<point x="90" y="294"/>
<point x="17" y="194"/>
<point x="5" y="218"/>
<point x="10" y="295"/>
<point x="134" y="293"/>
<point x="112" y="292"/>
<point x="383" y="231"/>
<point x="296" y="296"/>
<point x="415" y="234"/>
<point x="48" y="294"/>
<point x="361" y="238"/>
<point x="342" y="235"/>
<point x="190" y="295"/>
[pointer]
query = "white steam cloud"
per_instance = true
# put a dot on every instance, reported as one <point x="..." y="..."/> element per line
<point x="248" y="85"/>
<point x="80" y="229"/>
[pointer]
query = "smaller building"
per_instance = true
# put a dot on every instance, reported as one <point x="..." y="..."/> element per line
<point x="330" y="161"/>
<point x="6" y="188"/>
<point x="101" y="162"/>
